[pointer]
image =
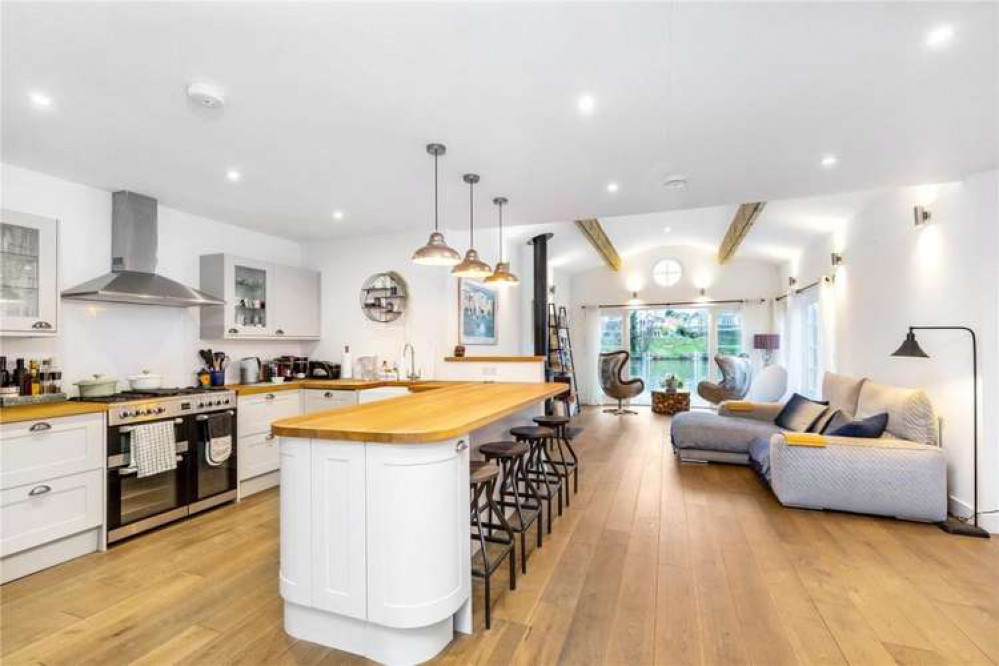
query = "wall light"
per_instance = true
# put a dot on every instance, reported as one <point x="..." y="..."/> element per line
<point x="837" y="258"/>
<point x="702" y="296"/>
<point x="792" y="282"/>
<point x="921" y="216"/>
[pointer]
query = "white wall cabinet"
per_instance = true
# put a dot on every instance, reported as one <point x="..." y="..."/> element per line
<point x="262" y="300"/>
<point x="29" y="274"/>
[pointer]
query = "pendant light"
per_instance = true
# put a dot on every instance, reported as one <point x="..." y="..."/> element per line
<point x="436" y="252"/>
<point x="502" y="277"/>
<point x="471" y="266"/>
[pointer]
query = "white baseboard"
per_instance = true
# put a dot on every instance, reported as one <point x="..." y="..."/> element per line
<point x="48" y="555"/>
<point x="258" y="483"/>
<point x="962" y="509"/>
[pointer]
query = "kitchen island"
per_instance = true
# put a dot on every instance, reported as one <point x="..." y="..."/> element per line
<point x="375" y="543"/>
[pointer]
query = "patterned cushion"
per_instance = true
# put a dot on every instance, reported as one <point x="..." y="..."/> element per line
<point x="800" y="413"/>
<point x="910" y="413"/>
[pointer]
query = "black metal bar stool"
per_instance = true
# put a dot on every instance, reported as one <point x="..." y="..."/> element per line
<point x="563" y="436"/>
<point x="493" y="547"/>
<point x="516" y="492"/>
<point x="539" y="468"/>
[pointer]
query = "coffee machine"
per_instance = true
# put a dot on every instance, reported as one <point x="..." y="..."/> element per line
<point x="324" y="370"/>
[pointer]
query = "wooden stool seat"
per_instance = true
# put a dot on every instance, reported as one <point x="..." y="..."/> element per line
<point x="481" y="471"/>
<point x="508" y="449"/>
<point x="551" y="421"/>
<point x="532" y="432"/>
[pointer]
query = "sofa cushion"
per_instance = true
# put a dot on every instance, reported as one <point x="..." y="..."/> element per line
<point x="800" y="413"/>
<point x="759" y="457"/>
<point x="712" y="432"/>
<point x="910" y="413"/>
<point x="842" y="392"/>
<point x="872" y="427"/>
<point x="832" y="420"/>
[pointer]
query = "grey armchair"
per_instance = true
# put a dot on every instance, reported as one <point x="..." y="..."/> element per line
<point x="614" y="384"/>
<point x="737" y="374"/>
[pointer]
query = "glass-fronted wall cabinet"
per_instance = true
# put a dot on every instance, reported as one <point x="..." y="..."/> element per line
<point x="262" y="300"/>
<point x="29" y="274"/>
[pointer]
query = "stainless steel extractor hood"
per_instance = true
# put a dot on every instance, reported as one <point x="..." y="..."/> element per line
<point x="133" y="262"/>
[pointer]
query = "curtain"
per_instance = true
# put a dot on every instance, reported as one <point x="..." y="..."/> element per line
<point x="588" y="371"/>
<point x="794" y="350"/>
<point x="756" y="318"/>
<point x="827" y="315"/>
<point x="780" y="327"/>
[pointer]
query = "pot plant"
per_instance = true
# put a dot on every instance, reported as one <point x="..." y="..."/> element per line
<point x="671" y="383"/>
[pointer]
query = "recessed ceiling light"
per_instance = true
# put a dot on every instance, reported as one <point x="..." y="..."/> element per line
<point x="940" y="36"/>
<point x="586" y="104"/>
<point x="40" y="99"/>
<point x="233" y="176"/>
<point x="338" y="215"/>
<point x="666" y="230"/>
<point x="676" y="182"/>
<point x="613" y="187"/>
<point x="829" y="161"/>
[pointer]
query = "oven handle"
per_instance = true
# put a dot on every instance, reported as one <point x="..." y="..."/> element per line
<point x="204" y="417"/>
<point x="128" y="429"/>
<point x="128" y="471"/>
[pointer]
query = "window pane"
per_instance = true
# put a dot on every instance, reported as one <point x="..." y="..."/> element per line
<point x="730" y="333"/>
<point x="668" y="342"/>
<point x="611" y="333"/>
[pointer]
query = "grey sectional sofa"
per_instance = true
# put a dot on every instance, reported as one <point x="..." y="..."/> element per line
<point x="902" y="474"/>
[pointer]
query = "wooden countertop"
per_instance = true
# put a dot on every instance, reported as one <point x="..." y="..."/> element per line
<point x="429" y="416"/>
<point x="49" y="410"/>
<point x="493" y="359"/>
<point x="339" y="385"/>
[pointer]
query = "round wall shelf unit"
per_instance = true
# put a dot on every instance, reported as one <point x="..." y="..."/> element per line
<point x="383" y="297"/>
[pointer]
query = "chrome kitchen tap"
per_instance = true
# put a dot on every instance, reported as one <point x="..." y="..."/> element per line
<point x="412" y="375"/>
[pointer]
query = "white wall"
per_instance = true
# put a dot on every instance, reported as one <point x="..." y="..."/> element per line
<point x="119" y="339"/>
<point x="895" y="276"/>
<point x="431" y="321"/>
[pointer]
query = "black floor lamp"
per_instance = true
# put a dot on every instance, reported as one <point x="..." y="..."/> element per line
<point x="911" y="349"/>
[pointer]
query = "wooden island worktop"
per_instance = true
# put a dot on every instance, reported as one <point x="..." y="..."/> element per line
<point x="429" y="416"/>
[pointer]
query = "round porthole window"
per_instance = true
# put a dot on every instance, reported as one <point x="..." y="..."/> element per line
<point x="667" y="272"/>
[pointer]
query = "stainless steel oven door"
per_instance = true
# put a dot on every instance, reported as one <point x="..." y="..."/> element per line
<point x="212" y="484"/>
<point x="137" y="504"/>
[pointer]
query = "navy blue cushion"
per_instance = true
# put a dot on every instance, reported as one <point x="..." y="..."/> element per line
<point x="871" y="427"/>
<point x="800" y="413"/>
<point x="832" y="421"/>
<point x="759" y="457"/>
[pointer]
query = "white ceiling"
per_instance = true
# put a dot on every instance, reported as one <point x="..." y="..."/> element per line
<point x="780" y="233"/>
<point x="330" y="105"/>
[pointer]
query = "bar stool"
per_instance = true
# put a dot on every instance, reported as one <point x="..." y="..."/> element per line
<point x="516" y="492"/>
<point x="493" y="549"/>
<point x="563" y="435"/>
<point x="539" y="466"/>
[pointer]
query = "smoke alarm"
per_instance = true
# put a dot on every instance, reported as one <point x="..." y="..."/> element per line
<point x="206" y="94"/>
<point x="676" y="182"/>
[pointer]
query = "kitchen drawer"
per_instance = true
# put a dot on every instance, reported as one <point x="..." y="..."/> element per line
<point x="381" y="393"/>
<point x="257" y="412"/>
<point x="32" y="451"/>
<point x="257" y="454"/>
<point x="317" y="400"/>
<point x="38" y="513"/>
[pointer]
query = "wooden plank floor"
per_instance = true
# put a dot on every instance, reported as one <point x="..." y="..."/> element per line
<point x="655" y="562"/>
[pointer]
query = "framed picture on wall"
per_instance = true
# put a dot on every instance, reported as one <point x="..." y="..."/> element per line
<point x="477" y="311"/>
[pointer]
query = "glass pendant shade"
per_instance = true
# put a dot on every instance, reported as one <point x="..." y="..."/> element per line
<point x="471" y="266"/>
<point x="436" y="252"/>
<point x="502" y="277"/>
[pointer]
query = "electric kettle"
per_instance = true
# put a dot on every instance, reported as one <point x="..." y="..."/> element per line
<point x="249" y="370"/>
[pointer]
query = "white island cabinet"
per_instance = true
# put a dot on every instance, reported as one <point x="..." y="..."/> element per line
<point x="375" y="538"/>
<point x="375" y="545"/>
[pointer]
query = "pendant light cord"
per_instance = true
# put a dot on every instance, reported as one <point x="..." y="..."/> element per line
<point x="471" y="216"/>
<point x="501" y="232"/>
<point x="435" y="192"/>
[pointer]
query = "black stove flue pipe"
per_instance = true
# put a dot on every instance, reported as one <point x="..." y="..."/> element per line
<point x="540" y="303"/>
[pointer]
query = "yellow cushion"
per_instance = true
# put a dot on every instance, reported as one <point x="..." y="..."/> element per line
<point x="805" y="439"/>
<point x="739" y="406"/>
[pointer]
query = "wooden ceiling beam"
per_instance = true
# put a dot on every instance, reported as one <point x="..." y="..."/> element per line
<point x="595" y="234"/>
<point x="742" y="222"/>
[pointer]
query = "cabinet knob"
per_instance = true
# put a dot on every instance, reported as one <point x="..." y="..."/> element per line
<point x="269" y="436"/>
<point x="39" y="490"/>
<point x="41" y="325"/>
<point x="40" y="427"/>
<point x="269" y="396"/>
<point x="328" y="394"/>
<point x="280" y="331"/>
<point x="461" y="445"/>
<point x="234" y="330"/>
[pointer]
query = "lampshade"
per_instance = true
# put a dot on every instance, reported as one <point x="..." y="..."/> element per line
<point x="766" y="341"/>
<point x="910" y="348"/>
<point x="436" y="252"/>
<point x="471" y="266"/>
<point x="502" y="277"/>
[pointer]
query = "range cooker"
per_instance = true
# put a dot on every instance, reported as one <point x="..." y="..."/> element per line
<point x="135" y="504"/>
